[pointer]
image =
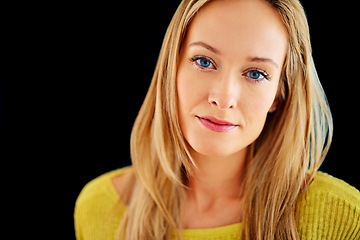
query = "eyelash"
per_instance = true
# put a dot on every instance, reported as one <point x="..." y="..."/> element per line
<point x="263" y="73"/>
<point x="196" y="58"/>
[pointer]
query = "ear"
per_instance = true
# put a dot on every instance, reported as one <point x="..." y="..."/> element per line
<point x="274" y="106"/>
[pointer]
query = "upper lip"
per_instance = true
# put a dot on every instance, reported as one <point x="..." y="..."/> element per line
<point x="217" y="121"/>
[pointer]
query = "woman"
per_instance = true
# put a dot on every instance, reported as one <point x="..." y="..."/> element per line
<point x="229" y="138"/>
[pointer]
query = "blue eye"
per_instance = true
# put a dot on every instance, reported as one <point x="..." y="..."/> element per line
<point x="257" y="75"/>
<point x="254" y="74"/>
<point x="203" y="62"/>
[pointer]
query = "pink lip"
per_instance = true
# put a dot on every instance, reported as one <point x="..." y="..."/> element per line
<point x="216" y="125"/>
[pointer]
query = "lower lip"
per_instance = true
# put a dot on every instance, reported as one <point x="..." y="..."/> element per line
<point x="216" y="127"/>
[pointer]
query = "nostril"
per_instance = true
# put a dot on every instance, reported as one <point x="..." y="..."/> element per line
<point x="213" y="103"/>
<point x="222" y="102"/>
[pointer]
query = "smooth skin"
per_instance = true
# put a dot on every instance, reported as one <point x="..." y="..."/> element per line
<point x="229" y="69"/>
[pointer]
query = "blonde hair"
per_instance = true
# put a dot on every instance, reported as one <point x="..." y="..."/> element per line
<point x="282" y="161"/>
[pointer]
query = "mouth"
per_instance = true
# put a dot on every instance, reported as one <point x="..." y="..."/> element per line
<point x="215" y="124"/>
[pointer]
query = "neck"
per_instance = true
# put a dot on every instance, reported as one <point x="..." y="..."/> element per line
<point x="217" y="177"/>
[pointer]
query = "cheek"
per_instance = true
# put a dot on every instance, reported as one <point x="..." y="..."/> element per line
<point x="185" y="95"/>
<point x="192" y="95"/>
<point x="255" y="107"/>
<point x="184" y="90"/>
<point x="189" y="91"/>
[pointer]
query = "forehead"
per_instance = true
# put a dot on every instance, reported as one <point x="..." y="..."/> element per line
<point x="240" y="27"/>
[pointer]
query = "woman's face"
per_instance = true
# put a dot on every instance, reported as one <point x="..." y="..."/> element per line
<point x="228" y="75"/>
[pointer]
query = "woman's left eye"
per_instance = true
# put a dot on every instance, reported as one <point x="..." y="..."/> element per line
<point x="256" y="75"/>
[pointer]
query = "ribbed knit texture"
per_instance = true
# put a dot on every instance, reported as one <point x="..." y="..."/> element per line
<point x="330" y="210"/>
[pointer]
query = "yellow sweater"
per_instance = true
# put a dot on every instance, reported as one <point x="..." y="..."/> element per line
<point x="331" y="211"/>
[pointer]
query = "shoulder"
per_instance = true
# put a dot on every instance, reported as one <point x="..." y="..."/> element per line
<point x="334" y="188"/>
<point x="101" y="187"/>
<point x="97" y="203"/>
<point x="329" y="207"/>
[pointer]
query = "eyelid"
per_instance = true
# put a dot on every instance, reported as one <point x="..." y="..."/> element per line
<point x="262" y="72"/>
<point x="197" y="57"/>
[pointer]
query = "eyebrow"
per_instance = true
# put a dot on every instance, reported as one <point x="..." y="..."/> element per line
<point x="250" y="59"/>
<point x="204" y="45"/>
<point x="260" y="59"/>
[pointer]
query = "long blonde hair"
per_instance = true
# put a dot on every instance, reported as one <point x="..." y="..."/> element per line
<point x="281" y="164"/>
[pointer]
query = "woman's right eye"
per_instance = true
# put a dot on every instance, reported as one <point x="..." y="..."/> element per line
<point x="203" y="62"/>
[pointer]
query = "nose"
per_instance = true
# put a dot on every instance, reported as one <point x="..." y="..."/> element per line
<point x="224" y="94"/>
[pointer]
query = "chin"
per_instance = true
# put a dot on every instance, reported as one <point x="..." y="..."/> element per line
<point x="211" y="147"/>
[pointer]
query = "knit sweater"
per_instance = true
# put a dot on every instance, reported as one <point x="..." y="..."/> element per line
<point x="331" y="210"/>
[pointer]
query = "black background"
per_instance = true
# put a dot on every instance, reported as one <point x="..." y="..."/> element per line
<point x="74" y="77"/>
